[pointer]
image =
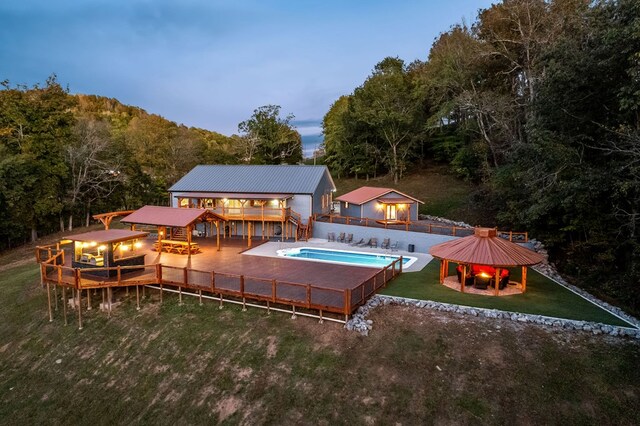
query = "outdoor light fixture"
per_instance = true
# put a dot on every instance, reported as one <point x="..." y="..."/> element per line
<point x="102" y="248"/>
<point x="123" y="247"/>
<point x="93" y="244"/>
<point x="274" y="203"/>
<point x="137" y="244"/>
<point x="224" y="200"/>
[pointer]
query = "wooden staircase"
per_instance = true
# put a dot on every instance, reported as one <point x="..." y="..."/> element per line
<point x="179" y="234"/>
<point x="303" y="232"/>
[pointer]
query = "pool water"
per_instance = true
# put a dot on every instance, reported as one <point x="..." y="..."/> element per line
<point x="373" y="260"/>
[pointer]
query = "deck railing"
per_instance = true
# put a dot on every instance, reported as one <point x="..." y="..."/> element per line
<point x="309" y="296"/>
<point x="429" y="228"/>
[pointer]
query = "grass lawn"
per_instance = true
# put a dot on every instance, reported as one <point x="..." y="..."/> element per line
<point x="191" y="364"/>
<point x="543" y="296"/>
<point x="444" y="194"/>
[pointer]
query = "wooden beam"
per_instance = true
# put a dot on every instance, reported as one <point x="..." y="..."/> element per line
<point x="524" y="279"/>
<point x="463" y="278"/>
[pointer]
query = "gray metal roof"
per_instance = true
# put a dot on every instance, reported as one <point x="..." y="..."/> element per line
<point x="291" y="179"/>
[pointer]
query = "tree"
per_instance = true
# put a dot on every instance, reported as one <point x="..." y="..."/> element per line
<point x="387" y="105"/>
<point x="269" y="139"/>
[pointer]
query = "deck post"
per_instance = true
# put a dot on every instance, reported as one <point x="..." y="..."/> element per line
<point x="293" y="311"/>
<point x="88" y="300"/>
<point x="55" y="294"/>
<point x="109" y="299"/>
<point x="49" y="300"/>
<point x="249" y="234"/>
<point x="64" y="303"/>
<point x="320" y="321"/>
<point x="79" y="309"/>
<point x="137" y="298"/>
<point x="159" y="278"/>
<point x="400" y="263"/>
<point x="200" y="296"/>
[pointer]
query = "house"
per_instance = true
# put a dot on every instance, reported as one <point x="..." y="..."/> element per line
<point x="266" y="200"/>
<point x="385" y="205"/>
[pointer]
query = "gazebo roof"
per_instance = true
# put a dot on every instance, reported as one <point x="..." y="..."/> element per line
<point x="485" y="248"/>
<point x="108" y="236"/>
<point x="166" y="216"/>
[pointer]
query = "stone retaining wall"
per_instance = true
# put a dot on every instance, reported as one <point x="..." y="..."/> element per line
<point x="362" y="325"/>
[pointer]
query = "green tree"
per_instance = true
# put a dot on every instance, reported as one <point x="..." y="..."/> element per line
<point x="269" y="139"/>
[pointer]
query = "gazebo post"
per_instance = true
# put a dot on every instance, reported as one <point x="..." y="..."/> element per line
<point x="189" y="240"/>
<point x="218" y="234"/>
<point x="463" y="278"/>
<point x="497" y="282"/>
<point x="441" y="271"/>
<point x="524" y="279"/>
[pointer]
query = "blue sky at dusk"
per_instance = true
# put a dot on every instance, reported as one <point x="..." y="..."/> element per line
<point x="210" y="63"/>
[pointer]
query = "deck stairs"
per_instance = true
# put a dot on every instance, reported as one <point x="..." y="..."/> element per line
<point x="179" y="234"/>
<point x="303" y="230"/>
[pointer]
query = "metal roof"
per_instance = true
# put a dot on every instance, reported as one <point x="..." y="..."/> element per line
<point x="232" y="195"/>
<point x="485" y="248"/>
<point x="107" y="236"/>
<point x="268" y="179"/>
<point x="165" y="216"/>
<point x="365" y="194"/>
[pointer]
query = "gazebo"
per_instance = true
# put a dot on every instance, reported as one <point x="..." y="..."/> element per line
<point x="487" y="252"/>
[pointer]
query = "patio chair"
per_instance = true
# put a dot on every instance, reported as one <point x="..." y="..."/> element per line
<point x="394" y="246"/>
<point x="331" y="237"/>
<point x="373" y="242"/>
<point x="349" y="239"/>
<point x="359" y="243"/>
<point x="385" y="243"/>
<point x="341" y="237"/>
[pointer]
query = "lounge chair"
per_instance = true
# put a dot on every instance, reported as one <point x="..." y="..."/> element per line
<point x="394" y="246"/>
<point x="385" y="243"/>
<point x="373" y="242"/>
<point x="341" y="237"/>
<point x="331" y="237"/>
<point x="349" y="239"/>
<point x="359" y="243"/>
<point x="368" y="243"/>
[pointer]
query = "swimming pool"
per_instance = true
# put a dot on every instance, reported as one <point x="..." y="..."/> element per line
<point x="356" y="258"/>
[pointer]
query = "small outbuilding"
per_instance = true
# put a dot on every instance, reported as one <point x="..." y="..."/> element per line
<point x="484" y="260"/>
<point x="104" y="250"/>
<point x="385" y="205"/>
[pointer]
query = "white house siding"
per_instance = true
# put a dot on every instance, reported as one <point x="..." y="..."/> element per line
<point x="301" y="204"/>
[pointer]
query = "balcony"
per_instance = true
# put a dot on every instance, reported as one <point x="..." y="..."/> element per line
<point x="266" y="214"/>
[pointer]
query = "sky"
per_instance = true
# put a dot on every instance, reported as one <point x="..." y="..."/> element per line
<point x="209" y="63"/>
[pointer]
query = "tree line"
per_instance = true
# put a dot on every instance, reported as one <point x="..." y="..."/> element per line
<point x="65" y="157"/>
<point x="538" y="102"/>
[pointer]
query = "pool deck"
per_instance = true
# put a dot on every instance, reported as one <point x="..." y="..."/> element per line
<point x="270" y="249"/>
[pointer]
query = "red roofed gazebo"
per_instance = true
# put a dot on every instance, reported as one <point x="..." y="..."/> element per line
<point x="172" y="217"/>
<point x="481" y="253"/>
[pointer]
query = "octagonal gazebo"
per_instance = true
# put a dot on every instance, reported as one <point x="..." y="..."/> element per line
<point x="484" y="249"/>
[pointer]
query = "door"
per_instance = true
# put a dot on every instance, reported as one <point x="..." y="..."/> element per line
<point x="391" y="212"/>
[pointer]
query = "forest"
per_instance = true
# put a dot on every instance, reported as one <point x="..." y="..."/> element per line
<point x="535" y="102"/>
<point x="65" y="157"/>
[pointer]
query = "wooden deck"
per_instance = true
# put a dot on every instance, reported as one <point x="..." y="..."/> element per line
<point x="332" y="288"/>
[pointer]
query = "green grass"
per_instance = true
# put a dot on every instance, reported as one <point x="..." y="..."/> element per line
<point x="443" y="194"/>
<point x="543" y="296"/>
<point x="191" y="364"/>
